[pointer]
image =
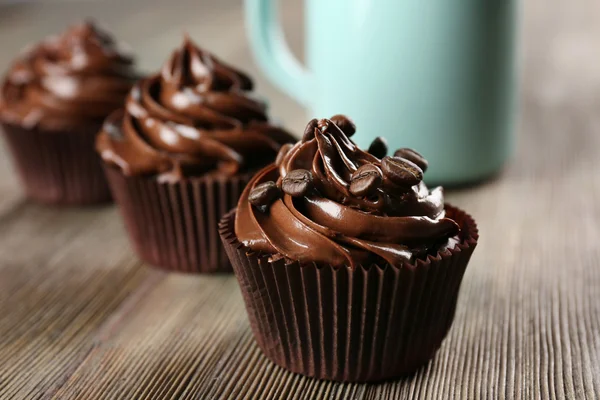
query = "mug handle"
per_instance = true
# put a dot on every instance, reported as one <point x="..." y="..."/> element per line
<point x="272" y="52"/>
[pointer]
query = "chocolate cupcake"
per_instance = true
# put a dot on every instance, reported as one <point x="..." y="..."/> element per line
<point x="349" y="266"/>
<point x="181" y="152"/>
<point x="53" y="101"/>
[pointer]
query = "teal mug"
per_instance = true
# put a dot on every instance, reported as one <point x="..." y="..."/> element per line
<point x="438" y="76"/>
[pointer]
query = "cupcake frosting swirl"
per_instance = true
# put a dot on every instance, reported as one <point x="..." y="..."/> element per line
<point x="66" y="81"/>
<point x="196" y="116"/>
<point x="340" y="205"/>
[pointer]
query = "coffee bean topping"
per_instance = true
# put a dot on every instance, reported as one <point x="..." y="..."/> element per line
<point x="297" y="183"/>
<point x="412" y="155"/>
<point x="344" y="123"/>
<point x="401" y="171"/>
<point x="282" y="153"/>
<point x="264" y="194"/>
<point x="309" y="131"/>
<point x="378" y="148"/>
<point x="365" y="180"/>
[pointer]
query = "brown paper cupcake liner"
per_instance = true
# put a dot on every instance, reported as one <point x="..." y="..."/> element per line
<point x="58" y="167"/>
<point x="175" y="225"/>
<point x="357" y="325"/>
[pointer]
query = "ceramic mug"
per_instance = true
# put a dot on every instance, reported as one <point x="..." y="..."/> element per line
<point x="438" y="76"/>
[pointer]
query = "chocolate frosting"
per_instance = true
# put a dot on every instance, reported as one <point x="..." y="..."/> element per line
<point x="328" y="224"/>
<point x="67" y="81"/>
<point x="194" y="117"/>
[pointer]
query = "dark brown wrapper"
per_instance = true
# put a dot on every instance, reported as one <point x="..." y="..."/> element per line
<point x="174" y="226"/>
<point x="356" y="325"/>
<point x="58" y="167"/>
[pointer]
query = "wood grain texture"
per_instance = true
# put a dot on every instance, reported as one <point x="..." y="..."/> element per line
<point x="82" y="318"/>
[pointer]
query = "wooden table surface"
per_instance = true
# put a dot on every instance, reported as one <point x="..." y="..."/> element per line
<point x="82" y="318"/>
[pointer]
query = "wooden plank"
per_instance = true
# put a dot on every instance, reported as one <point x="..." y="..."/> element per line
<point x="59" y="281"/>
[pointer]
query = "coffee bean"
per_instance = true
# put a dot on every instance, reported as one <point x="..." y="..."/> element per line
<point x="414" y="156"/>
<point x="378" y="148"/>
<point x="264" y="194"/>
<point x="365" y="180"/>
<point x="309" y="131"/>
<point x="297" y="183"/>
<point x="401" y="171"/>
<point x="344" y="123"/>
<point x="282" y="153"/>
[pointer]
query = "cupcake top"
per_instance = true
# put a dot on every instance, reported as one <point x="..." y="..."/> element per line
<point x="196" y="116"/>
<point x="67" y="81"/>
<point x="327" y="201"/>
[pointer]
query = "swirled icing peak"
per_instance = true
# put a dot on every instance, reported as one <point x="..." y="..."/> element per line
<point x="329" y="202"/>
<point x="196" y="116"/>
<point x="66" y="81"/>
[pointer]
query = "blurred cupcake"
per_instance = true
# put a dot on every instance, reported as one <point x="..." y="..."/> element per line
<point x="180" y="153"/>
<point x="349" y="266"/>
<point x="52" y="104"/>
